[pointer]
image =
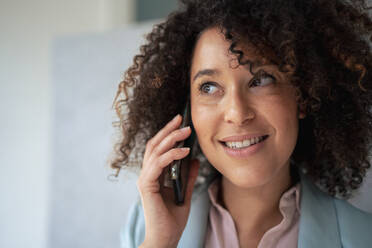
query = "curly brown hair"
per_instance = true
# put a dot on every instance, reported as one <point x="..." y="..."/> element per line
<point x="325" y="43"/>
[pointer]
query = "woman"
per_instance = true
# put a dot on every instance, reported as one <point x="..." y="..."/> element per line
<point x="280" y="95"/>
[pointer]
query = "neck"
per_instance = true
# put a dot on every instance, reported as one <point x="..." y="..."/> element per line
<point x="255" y="210"/>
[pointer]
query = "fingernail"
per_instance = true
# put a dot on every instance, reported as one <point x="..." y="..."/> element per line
<point x="185" y="128"/>
<point x="175" y="117"/>
<point x="185" y="149"/>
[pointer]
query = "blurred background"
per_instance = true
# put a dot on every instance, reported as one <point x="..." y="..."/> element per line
<point x="60" y="64"/>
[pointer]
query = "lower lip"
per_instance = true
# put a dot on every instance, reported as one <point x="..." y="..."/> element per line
<point x="244" y="152"/>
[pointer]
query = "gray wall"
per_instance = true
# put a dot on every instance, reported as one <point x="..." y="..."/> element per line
<point x="88" y="210"/>
<point x="26" y="30"/>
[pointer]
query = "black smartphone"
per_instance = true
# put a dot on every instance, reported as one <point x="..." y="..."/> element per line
<point x="179" y="169"/>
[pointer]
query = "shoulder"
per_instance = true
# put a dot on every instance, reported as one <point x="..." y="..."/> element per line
<point x="132" y="233"/>
<point x="327" y="221"/>
<point x="354" y="224"/>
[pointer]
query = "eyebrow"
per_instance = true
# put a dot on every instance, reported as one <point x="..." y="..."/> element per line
<point x="206" y="72"/>
<point x="211" y="72"/>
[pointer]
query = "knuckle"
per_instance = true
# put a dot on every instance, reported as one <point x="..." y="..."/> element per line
<point x="174" y="136"/>
<point x="177" y="132"/>
<point x="149" y="144"/>
<point x="177" y="152"/>
<point x="168" y="125"/>
<point x="155" y="150"/>
<point x="170" y="138"/>
<point x="139" y="184"/>
<point x="163" y="160"/>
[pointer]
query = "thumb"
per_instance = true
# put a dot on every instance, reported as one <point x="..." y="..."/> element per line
<point x="193" y="174"/>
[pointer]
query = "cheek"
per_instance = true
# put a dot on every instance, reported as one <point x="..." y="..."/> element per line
<point x="284" y="120"/>
<point x="204" y="120"/>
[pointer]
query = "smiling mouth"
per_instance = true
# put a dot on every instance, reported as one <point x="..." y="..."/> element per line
<point x="244" y="144"/>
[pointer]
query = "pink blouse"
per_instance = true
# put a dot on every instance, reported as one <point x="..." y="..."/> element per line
<point x="221" y="230"/>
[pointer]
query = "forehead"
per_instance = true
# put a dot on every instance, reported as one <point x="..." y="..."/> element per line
<point x="212" y="50"/>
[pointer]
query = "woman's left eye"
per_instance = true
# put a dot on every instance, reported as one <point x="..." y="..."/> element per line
<point x="262" y="79"/>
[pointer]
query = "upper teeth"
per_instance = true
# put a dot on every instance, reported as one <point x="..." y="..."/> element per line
<point x="244" y="143"/>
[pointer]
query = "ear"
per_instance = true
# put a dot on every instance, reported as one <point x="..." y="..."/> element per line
<point x="301" y="112"/>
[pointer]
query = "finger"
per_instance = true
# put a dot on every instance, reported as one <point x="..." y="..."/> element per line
<point x="193" y="174"/>
<point x="159" y="136"/>
<point x="154" y="171"/>
<point x="171" y="139"/>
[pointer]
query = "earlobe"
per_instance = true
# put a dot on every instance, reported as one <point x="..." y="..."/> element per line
<point x="301" y="115"/>
<point x="301" y="112"/>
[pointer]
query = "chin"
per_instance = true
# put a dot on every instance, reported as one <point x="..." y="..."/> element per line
<point x="249" y="179"/>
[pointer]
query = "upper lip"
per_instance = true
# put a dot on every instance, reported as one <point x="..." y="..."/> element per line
<point x="241" y="137"/>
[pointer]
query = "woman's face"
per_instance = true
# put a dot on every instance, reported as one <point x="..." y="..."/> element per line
<point x="229" y="105"/>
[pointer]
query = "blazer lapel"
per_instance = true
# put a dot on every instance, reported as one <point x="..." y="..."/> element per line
<point x="318" y="218"/>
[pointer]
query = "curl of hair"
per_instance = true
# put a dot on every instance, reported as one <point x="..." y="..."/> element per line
<point x="323" y="43"/>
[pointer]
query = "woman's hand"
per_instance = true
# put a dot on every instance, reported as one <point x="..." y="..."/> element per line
<point x="165" y="221"/>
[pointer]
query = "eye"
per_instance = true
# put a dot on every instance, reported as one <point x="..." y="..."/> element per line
<point x="262" y="79"/>
<point x="207" y="88"/>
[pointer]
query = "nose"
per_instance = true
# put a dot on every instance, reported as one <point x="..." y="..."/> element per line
<point x="237" y="109"/>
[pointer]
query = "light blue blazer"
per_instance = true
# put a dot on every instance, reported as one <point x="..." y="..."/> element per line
<point x="325" y="222"/>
